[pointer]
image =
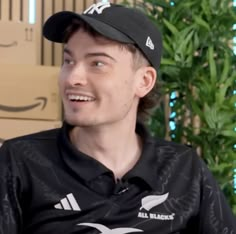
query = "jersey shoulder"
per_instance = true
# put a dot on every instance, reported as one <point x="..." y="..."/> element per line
<point x="42" y="135"/>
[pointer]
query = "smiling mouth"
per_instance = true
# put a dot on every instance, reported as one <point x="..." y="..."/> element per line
<point x="80" y="98"/>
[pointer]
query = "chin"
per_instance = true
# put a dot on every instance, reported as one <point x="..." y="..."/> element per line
<point x="78" y="121"/>
<point x="75" y="122"/>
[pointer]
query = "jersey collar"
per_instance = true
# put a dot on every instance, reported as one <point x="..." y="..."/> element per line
<point x="88" y="169"/>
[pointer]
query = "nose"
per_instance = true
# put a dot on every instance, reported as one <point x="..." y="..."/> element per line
<point x="77" y="76"/>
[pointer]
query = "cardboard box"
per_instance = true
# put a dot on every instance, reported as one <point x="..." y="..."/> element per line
<point x="29" y="92"/>
<point x="17" y="43"/>
<point x="10" y="128"/>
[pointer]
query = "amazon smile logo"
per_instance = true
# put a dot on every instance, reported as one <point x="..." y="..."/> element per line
<point x="150" y="202"/>
<point x="14" y="43"/>
<point x="39" y="101"/>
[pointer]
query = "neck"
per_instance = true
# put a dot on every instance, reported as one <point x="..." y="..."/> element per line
<point x="117" y="146"/>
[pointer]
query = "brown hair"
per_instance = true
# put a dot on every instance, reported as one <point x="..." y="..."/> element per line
<point x="148" y="102"/>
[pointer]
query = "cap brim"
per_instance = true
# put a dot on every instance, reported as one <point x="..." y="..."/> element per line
<point x="55" y="27"/>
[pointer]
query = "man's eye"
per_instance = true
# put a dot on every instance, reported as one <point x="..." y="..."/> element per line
<point x="69" y="61"/>
<point x="98" y="64"/>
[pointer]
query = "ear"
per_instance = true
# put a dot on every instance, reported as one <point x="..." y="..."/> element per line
<point x="146" y="81"/>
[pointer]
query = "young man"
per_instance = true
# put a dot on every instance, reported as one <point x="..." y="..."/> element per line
<point x="102" y="172"/>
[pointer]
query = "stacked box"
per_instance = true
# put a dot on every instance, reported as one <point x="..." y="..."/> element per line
<point x="29" y="99"/>
<point x="29" y="92"/>
<point x="17" y="43"/>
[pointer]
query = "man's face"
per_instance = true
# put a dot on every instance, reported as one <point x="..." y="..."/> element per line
<point x="97" y="82"/>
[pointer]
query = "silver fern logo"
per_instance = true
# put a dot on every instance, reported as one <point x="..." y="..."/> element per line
<point x="105" y="230"/>
<point x="149" y="202"/>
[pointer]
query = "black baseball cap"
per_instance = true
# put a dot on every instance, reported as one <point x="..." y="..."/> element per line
<point x="116" y="22"/>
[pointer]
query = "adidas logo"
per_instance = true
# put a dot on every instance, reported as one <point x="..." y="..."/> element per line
<point x="68" y="203"/>
<point x="150" y="44"/>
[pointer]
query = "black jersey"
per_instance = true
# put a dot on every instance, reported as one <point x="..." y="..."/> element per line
<point x="47" y="187"/>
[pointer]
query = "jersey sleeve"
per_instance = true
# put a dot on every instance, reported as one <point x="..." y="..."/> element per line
<point x="215" y="215"/>
<point x="10" y="211"/>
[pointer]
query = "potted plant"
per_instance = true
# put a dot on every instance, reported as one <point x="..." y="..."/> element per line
<point x="198" y="76"/>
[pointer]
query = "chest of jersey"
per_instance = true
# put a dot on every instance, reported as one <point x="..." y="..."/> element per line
<point x="68" y="205"/>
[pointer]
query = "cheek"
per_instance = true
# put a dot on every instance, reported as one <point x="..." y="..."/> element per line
<point x="122" y="90"/>
<point x="126" y="91"/>
<point x="61" y="83"/>
<point x="64" y="74"/>
<point x="129" y="84"/>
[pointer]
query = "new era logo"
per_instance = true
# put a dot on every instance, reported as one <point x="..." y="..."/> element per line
<point x="98" y="8"/>
<point x="150" y="44"/>
<point x="68" y="203"/>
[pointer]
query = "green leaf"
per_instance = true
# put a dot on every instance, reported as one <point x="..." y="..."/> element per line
<point x="212" y="64"/>
<point x="226" y="67"/>
<point x="170" y="26"/>
<point x="185" y="42"/>
<point x="223" y="88"/>
<point x="196" y="41"/>
<point x="165" y="61"/>
<point x="167" y="47"/>
<point x="229" y="133"/>
<point x="210" y="115"/>
<point x="196" y="108"/>
<point x="205" y="7"/>
<point x="201" y="22"/>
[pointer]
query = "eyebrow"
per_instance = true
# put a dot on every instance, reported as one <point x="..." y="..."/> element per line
<point x="95" y="54"/>
<point x="68" y="51"/>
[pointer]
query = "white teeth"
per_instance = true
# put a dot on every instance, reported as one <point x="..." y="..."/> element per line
<point x="73" y="97"/>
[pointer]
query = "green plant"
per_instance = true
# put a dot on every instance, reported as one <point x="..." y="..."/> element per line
<point x="199" y="67"/>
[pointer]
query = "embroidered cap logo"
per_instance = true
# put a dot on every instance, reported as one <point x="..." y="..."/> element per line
<point x="98" y="8"/>
<point x="149" y="43"/>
